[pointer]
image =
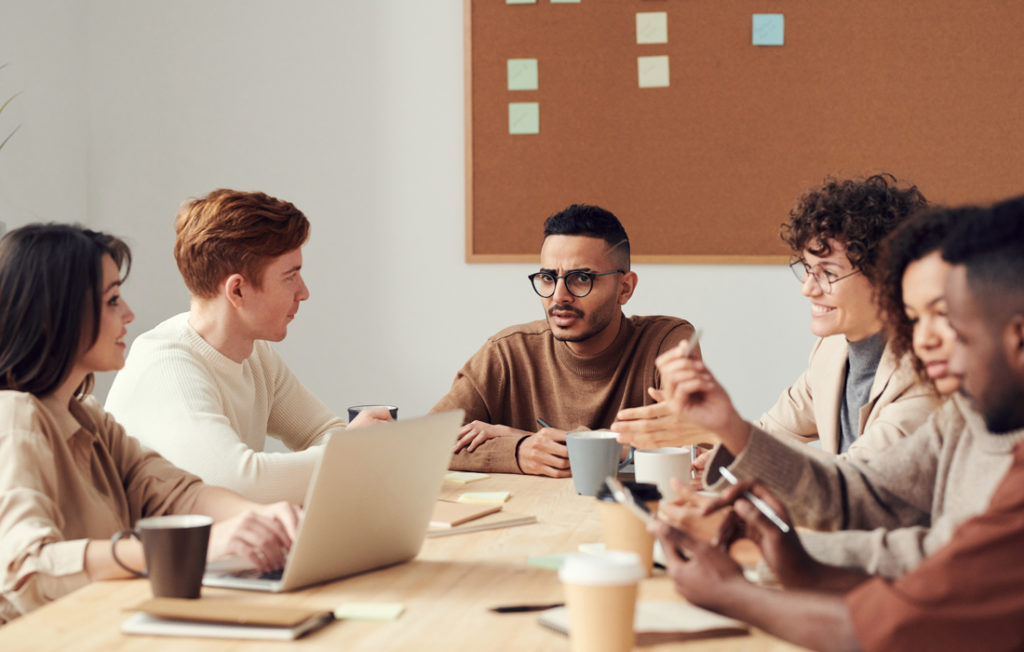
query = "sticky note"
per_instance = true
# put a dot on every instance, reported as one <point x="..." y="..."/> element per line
<point x="369" y="610"/>
<point x="523" y="118"/>
<point x="462" y="477"/>
<point x="484" y="497"/>
<point x="565" y="2"/>
<point x="522" y="74"/>
<point x="769" y="29"/>
<point x="520" y="2"/>
<point x="652" y="27"/>
<point x="652" y="71"/>
<point x="551" y="562"/>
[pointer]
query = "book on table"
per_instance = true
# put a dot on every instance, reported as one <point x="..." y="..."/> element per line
<point x="223" y="618"/>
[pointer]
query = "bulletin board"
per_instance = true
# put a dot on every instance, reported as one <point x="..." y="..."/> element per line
<point x="705" y="160"/>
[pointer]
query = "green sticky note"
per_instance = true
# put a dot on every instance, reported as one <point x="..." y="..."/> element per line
<point x="523" y="118"/>
<point x="769" y="29"/>
<point x="551" y="562"/>
<point x="520" y="2"/>
<point x="369" y="610"/>
<point x="522" y="74"/>
<point x="652" y="72"/>
<point x="652" y="27"/>
<point x="565" y="2"/>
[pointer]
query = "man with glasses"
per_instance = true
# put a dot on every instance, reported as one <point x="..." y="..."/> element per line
<point x="856" y="396"/>
<point x="530" y="384"/>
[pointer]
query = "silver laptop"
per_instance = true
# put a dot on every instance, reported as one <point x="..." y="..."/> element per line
<point x="368" y="504"/>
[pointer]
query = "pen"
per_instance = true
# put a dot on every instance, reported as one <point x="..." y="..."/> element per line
<point x="693" y="457"/>
<point x="761" y="506"/>
<point x="691" y="344"/>
<point x="522" y="608"/>
<point x="543" y="423"/>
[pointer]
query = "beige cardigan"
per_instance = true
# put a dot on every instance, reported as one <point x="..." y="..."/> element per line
<point x="898" y="403"/>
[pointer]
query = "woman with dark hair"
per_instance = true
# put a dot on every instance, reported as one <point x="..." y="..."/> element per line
<point x="69" y="476"/>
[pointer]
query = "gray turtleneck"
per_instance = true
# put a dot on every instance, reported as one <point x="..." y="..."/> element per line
<point x="861" y="364"/>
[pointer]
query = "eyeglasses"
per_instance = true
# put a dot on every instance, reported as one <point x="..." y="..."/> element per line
<point x="577" y="282"/>
<point x="825" y="279"/>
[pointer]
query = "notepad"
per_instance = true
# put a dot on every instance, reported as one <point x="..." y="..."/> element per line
<point x="484" y="497"/>
<point x="462" y="477"/>
<point x="659" y="616"/>
<point x="223" y="618"/>
<point x="448" y="514"/>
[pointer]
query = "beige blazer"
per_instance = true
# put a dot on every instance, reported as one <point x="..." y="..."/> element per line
<point x="898" y="403"/>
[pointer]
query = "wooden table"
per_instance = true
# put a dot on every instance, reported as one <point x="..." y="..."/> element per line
<point x="446" y="590"/>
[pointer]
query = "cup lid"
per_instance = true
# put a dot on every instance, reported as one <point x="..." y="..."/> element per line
<point x="607" y="568"/>
<point x="644" y="492"/>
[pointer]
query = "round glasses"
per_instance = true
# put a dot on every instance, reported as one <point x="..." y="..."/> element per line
<point x="823" y="278"/>
<point x="577" y="282"/>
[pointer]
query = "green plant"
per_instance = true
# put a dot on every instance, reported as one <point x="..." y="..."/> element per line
<point x="4" y="106"/>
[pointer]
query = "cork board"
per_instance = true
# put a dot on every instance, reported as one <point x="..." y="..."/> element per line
<point x="706" y="168"/>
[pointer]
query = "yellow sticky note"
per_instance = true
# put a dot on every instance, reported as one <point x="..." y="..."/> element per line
<point x="522" y="74"/>
<point x="652" y="27"/>
<point x="484" y="497"/>
<point x="523" y="118"/>
<point x="462" y="477"/>
<point x="652" y="71"/>
<point x="369" y="610"/>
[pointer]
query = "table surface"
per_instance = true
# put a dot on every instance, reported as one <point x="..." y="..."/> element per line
<point x="446" y="591"/>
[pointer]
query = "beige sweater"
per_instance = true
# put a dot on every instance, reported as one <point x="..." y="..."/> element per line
<point x="523" y="373"/>
<point x="895" y="507"/>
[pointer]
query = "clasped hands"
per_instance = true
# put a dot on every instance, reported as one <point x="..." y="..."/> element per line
<point x="540" y="453"/>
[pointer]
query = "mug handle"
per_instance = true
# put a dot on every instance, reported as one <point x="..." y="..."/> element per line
<point x="113" y="551"/>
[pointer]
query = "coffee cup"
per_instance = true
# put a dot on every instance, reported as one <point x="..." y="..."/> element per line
<point x="600" y="593"/>
<point x="659" y="465"/>
<point x="621" y="528"/>
<point x="356" y="409"/>
<point x="175" y="551"/>
<point x="593" y="456"/>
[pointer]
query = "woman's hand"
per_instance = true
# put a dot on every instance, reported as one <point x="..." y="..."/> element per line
<point x="263" y="535"/>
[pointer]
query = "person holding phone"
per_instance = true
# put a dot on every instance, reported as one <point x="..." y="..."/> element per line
<point x="70" y="477"/>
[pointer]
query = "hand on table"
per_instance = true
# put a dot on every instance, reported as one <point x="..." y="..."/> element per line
<point x="262" y="535"/>
<point x="370" y="416"/>
<point x="475" y="433"/>
<point x="544" y="453"/>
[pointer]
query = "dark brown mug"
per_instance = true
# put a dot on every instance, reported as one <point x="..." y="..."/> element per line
<point x="354" y="410"/>
<point x="175" y="551"/>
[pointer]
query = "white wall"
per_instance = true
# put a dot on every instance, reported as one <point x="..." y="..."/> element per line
<point x="354" y="112"/>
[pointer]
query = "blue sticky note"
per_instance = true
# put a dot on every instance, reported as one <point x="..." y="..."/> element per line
<point x="769" y="29"/>
<point x="523" y="118"/>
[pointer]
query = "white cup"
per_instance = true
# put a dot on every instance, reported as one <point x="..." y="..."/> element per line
<point x="600" y="593"/>
<point x="659" y="465"/>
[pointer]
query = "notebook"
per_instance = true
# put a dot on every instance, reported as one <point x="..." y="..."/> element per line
<point x="368" y="504"/>
<point x="223" y="618"/>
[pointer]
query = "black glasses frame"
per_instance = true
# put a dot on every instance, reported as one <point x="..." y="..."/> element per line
<point x="801" y="270"/>
<point x="589" y="276"/>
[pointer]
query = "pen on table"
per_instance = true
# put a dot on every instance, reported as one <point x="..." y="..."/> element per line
<point x="523" y="608"/>
<point x="543" y="423"/>
<point x="761" y="506"/>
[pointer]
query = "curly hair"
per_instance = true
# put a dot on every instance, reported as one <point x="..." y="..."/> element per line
<point x="228" y="232"/>
<point x="922" y="234"/>
<point x="857" y="213"/>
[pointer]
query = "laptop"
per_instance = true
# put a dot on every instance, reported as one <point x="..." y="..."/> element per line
<point x="368" y="504"/>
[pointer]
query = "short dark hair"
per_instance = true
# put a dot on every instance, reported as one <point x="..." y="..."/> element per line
<point x="920" y="235"/>
<point x="593" y="222"/>
<point x="230" y="231"/>
<point x="858" y="213"/>
<point x="51" y="291"/>
<point x="991" y="246"/>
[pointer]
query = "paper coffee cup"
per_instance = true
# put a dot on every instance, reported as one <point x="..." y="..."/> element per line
<point x="659" y="465"/>
<point x="622" y="530"/>
<point x="600" y="593"/>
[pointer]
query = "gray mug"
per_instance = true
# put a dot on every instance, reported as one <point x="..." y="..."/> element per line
<point x="593" y="456"/>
